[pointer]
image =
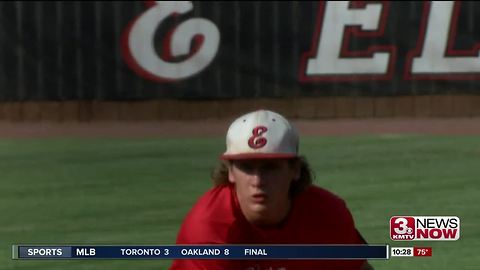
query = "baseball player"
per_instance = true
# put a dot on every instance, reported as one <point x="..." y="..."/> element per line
<point x="263" y="194"/>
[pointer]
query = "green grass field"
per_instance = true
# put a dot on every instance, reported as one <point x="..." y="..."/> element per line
<point x="112" y="191"/>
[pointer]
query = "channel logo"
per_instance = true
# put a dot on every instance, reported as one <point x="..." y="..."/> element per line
<point x="428" y="228"/>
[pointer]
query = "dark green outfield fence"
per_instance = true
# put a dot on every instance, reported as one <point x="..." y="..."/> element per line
<point x="346" y="59"/>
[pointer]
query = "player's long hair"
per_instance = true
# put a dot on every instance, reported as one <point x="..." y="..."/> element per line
<point x="220" y="175"/>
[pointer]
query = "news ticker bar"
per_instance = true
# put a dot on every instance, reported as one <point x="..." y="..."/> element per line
<point x="237" y="252"/>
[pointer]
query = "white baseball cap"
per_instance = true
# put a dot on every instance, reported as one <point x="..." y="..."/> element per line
<point x="261" y="135"/>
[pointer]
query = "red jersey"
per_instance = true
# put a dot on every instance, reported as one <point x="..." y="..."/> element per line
<point x="316" y="217"/>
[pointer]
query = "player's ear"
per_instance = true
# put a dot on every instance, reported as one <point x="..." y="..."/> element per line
<point x="297" y="170"/>
<point x="230" y="174"/>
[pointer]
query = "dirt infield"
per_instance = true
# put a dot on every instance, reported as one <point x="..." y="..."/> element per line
<point x="330" y="116"/>
<point x="213" y="128"/>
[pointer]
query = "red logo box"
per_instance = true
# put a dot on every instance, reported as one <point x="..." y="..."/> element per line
<point x="402" y="228"/>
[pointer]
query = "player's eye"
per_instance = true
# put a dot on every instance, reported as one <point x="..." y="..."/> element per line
<point x="245" y="167"/>
<point x="271" y="166"/>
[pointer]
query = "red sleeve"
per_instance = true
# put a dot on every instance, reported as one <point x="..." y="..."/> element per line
<point x="207" y="223"/>
<point x="351" y="236"/>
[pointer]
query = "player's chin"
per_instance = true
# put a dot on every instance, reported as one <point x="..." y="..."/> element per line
<point x="260" y="207"/>
<point x="259" y="212"/>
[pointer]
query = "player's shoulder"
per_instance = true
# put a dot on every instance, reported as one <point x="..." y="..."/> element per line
<point x="320" y="200"/>
<point x="209" y="219"/>
<point x="322" y="210"/>
<point x="214" y="193"/>
<point x="320" y="196"/>
<point x="215" y="204"/>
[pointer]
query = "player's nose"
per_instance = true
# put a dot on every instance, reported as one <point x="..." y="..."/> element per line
<point x="258" y="179"/>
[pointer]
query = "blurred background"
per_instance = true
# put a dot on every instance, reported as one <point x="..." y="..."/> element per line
<point x="113" y="114"/>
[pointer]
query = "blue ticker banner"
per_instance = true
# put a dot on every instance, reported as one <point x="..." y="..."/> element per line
<point x="237" y="252"/>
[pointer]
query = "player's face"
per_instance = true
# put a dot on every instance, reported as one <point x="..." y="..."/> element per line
<point x="262" y="188"/>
